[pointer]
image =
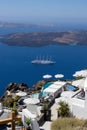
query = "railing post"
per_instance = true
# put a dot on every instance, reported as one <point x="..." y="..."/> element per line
<point x="13" y="120"/>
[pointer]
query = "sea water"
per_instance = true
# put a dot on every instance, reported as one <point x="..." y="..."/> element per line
<point x="15" y="63"/>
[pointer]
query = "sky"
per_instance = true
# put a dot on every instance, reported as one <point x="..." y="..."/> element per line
<point x="43" y="11"/>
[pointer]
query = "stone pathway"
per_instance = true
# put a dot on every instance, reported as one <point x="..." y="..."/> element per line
<point x="54" y="112"/>
<point x="47" y="124"/>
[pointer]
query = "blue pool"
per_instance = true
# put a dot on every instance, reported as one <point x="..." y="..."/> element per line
<point x="71" y="88"/>
<point x="44" y="94"/>
<point x="47" y="85"/>
<point x="36" y="95"/>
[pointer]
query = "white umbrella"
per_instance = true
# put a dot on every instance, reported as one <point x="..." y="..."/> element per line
<point x="59" y="76"/>
<point x="20" y="93"/>
<point x="82" y="73"/>
<point x="47" y="76"/>
<point x="79" y="83"/>
<point x="31" y="101"/>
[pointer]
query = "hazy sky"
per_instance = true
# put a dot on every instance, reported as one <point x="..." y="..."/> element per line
<point x="44" y="11"/>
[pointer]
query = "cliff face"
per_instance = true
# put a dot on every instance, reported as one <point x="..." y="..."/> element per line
<point x="13" y="88"/>
<point x="46" y="38"/>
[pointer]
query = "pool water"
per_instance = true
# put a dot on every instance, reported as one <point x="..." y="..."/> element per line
<point x="70" y="87"/>
<point x="35" y="95"/>
<point x="47" y="85"/>
<point x="44" y="94"/>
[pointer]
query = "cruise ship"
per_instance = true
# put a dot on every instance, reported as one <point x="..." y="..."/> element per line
<point x="42" y="61"/>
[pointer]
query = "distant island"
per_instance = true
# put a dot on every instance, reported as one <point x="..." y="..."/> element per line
<point x="13" y="25"/>
<point x="45" y="38"/>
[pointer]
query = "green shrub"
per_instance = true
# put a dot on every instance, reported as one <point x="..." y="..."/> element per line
<point x="17" y="98"/>
<point x="28" y="121"/>
<point x="15" y="111"/>
<point x="79" y="77"/>
<point x="19" y="123"/>
<point x="9" y="102"/>
<point x="63" y="110"/>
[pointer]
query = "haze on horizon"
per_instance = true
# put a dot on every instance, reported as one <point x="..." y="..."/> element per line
<point x="44" y="11"/>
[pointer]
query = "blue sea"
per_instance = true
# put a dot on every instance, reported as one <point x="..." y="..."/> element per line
<point x="15" y="62"/>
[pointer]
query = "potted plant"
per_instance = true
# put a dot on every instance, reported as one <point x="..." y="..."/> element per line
<point x="28" y="122"/>
<point x="19" y="124"/>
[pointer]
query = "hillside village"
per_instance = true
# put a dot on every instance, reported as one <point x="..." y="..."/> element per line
<point x="38" y="107"/>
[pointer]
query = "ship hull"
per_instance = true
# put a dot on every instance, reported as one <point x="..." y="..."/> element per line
<point x="44" y="62"/>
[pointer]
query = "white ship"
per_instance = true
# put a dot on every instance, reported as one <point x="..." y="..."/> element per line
<point x="42" y="61"/>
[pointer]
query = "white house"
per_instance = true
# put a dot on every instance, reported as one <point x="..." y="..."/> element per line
<point x="32" y="111"/>
<point x="77" y="102"/>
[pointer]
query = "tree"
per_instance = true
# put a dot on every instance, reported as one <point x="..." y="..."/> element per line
<point x="63" y="110"/>
<point x="9" y="102"/>
<point x="17" y="98"/>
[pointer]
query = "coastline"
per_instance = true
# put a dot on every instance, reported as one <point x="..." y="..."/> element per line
<point x="14" y="87"/>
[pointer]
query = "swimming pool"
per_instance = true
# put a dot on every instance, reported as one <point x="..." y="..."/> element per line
<point x="35" y="95"/>
<point x="44" y="94"/>
<point x="47" y="85"/>
<point x="71" y="88"/>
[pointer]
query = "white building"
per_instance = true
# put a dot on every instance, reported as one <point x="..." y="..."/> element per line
<point x="32" y="112"/>
<point x="54" y="89"/>
<point x="77" y="102"/>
